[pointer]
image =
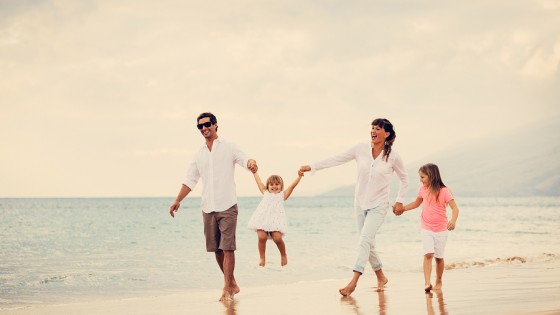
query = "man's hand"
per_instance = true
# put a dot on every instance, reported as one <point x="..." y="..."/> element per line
<point x="252" y="166"/>
<point x="174" y="208"/>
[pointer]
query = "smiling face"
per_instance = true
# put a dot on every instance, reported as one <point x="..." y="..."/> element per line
<point x="378" y="135"/>
<point x="274" y="184"/>
<point x="274" y="188"/>
<point x="208" y="132"/>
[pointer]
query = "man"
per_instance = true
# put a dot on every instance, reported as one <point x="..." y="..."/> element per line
<point x="215" y="164"/>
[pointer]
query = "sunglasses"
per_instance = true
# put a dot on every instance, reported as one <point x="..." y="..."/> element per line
<point x="206" y="124"/>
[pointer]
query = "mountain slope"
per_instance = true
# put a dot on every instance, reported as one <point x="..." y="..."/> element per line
<point x="519" y="164"/>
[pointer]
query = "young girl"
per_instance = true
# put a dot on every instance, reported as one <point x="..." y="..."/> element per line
<point x="269" y="219"/>
<point x="435" y="196"/>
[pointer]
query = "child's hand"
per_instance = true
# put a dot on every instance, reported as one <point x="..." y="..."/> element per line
<point x="451" y="225"/>
<point x="300" y="173"/>
<point x="398" y="208"/>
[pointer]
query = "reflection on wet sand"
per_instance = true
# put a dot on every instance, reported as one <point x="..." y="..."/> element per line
<point x="349" y="300"/>
<point x="441" y="302"/>
<point x="230" y="307"/>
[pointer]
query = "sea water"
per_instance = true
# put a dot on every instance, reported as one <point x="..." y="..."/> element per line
<point x="65" y="250"/>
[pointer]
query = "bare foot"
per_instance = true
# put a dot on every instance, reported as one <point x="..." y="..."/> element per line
<point x="428" y="288"/>
<point x="438" y="284"/>
<point x="346" y="291"/>
<point x="229" y="292"/>
<point x="236" y="289"/>
<point x="262" y="262"/>
<point x="381" y="284"/>
<point x="226" y="296"/>
<point x="284" y="260"/>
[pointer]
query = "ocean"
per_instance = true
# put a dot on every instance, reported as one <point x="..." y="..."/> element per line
<point x="65" y="250"/>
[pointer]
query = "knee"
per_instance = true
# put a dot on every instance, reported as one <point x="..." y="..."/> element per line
<point x="429" y="256"/>
<point x="277" y="237"/>
<point x="367" y="239"/>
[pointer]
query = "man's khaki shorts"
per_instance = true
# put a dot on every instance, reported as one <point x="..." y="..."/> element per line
<point x="219" y="229"/>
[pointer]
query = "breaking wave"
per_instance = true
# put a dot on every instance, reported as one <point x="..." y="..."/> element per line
<point x="474" y="263"/>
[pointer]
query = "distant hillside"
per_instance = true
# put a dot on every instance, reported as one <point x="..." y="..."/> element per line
<point x="526" y="163"/>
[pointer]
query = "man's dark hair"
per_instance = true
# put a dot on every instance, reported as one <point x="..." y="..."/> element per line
<point x="213" y="118"/>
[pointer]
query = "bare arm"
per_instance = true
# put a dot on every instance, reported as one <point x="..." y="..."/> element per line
<point x="288" y="191"/>
<point x="454" y="215"/>
<point x="185" y="190"/>
<point x="411" y="206"/>
<point x="259" y="182"/>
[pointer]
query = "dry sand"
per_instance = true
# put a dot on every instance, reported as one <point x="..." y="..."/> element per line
<point x="531" y="288"/>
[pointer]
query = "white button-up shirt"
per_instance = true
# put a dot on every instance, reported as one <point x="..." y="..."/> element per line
<point x="374" y="175"/>
<point x="216" y="168"/>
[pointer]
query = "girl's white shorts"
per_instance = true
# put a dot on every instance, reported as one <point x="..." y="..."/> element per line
<point x="434" y="242"/>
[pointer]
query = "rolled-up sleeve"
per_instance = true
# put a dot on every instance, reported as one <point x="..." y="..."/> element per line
<point x="239" y="156"/>
<point x="192" y="176"/>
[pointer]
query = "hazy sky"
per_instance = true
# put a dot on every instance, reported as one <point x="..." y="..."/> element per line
<point x="100" y="98"/>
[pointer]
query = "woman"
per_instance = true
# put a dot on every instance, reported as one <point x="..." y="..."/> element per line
<point x="376" y="162"/>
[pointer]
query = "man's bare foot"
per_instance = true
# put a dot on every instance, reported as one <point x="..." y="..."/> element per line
<point x="226" y="297"/>
<point x="381" y="284"/>
<point x="438" y="284"/>
<point x="235" y="289"/>
<point x="428" y="288"/>
<point x="228" y="293"/>
<point x="262" y="262"/>
<point x="346" y="291"/>
<point x="284" y="260"/>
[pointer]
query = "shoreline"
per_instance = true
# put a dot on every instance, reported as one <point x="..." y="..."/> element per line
<point x="525" y="288"/>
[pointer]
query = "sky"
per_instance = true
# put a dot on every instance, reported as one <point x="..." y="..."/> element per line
<point x="100" y="98"/>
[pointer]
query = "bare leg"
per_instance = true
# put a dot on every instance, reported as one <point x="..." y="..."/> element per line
<point x="226" y="261"/>
<point x="263" y="237"/>
<point x="428" y="271"/>
<point x="381" y="280"/>
<point x="440" y="265"/>
<point x="351" y="286"/>
<point x="277" y="238"/>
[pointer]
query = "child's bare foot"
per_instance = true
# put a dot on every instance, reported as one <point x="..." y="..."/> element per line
<point x="346" y="291"/>
<point x="262" y="262"/>
<point x="381" y="284"/>
<point x="284" y="260"/>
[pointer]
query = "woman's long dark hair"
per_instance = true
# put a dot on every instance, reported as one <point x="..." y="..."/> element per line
<point x="388" y="127"/>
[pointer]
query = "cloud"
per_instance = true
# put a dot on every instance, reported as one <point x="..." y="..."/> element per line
<point x="118" y="85"/>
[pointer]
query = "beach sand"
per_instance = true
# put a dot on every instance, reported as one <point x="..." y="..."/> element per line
<point x="529" y="288"/>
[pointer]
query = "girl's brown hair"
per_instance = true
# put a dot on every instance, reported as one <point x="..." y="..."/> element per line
<point x="275" y="179"/>
<point x="434" y="178"/>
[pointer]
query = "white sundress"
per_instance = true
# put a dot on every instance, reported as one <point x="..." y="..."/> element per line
<point x="270" y="215"/>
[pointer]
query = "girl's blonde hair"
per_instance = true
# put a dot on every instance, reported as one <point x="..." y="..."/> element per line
<point x="435" y="184"/>
<point x="275" y="179"/>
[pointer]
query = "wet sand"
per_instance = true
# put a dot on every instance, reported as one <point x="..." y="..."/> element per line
<point x="530" y="288"/>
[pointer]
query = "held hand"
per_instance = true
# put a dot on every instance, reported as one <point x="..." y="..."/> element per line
<point x="451" y="225"/>
<point x="252" y="166"/>
<point x="398" y="208"/>
<point x="300" y="173"/>
<point x="174" y="208"/>
<point x="304" y="168"/>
